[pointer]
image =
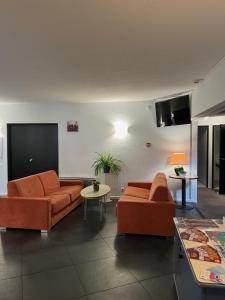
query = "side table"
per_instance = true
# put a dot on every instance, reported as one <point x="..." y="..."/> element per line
<point x="184" y="179"/>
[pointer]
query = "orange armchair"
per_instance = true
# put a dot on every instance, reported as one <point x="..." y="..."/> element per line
<point x="146" y="208"/>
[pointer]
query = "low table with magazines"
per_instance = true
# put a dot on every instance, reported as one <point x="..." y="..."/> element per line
<point x="200" y="259"/>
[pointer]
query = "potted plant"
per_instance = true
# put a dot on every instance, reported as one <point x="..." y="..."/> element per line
<point x="107" y="163"/>
<point x="95" y="185"/>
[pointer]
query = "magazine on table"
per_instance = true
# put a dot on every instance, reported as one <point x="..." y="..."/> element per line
<point x="203" y="223"/>
<point x="218" y="240"/>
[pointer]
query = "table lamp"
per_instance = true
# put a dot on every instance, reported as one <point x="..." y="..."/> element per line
<point x="178" y="159"/>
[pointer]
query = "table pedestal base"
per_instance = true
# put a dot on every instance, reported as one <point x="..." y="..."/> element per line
<point x="187" y="206"/>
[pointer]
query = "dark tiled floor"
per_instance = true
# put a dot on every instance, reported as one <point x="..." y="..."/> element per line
<point x="210" y="203"/>
<point x="86" y="260"/>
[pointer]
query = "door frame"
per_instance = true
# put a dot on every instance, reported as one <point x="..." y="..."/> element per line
<point x="9" y="163"/>
<point x="213" y="130"/>
<point x="207" y="150"/>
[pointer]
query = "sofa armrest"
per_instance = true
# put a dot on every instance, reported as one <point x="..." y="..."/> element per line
<point x="140" y="184"/>
<point x="144" y="216"/>
<point x="24" y="212"/>
<point x="163" y="205"/>
<point x="71" y="182"/>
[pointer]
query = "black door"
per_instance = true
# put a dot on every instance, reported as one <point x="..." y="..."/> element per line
<point x="32" y="148"/>
<point x="203" y="138"/>
<point x="222" y="160"/>
<point x="216" y="158"/>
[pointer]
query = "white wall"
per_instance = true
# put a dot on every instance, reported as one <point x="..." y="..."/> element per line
<point x="96" y="134"/>
<point x="211" y="91"/>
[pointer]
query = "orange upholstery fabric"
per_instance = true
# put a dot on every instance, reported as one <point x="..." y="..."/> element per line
<point x="140" y="184"/>
<point x="56" y="218"/>
<point x="145" y="216"/>
<point x="71" y="183"/>
<point x="72" y="191"/>
<point x="12" y="189"/>
<point x="29" y="187"/>
<point x="159" y="189"/>
<point x="28" y="213"/>
<point x="58" y="202"/>
<point x="132" y="199"/>
<point x="137" y="192"/>
<point x="36" y="211"/>
<point x="50" y="182"/>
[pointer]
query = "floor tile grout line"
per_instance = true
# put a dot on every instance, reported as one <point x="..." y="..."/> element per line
<point x="100" y="291"/>
<point x="72" y="263"/>
<point x="112" y="288"/>
<point x="22" y="292"/>
<point x="81" y="283"/>
<point x="148" y="292"/>
<point x="91" y="260"/>
<point x="135" y="281"/>
<point x="151" y="279"/>
<point x="47" y="270"/>
<point x="13" y="277"/>
<point x="44" y="249"/>
<point x="68" y="253"/>
<point x="154" y="277"/>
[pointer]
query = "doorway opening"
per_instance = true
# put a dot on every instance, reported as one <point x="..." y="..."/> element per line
<point x="203" y="148"/>
<point x="218" y="159"/>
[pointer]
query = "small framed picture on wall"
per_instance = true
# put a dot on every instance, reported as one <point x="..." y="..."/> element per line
<point x="72" y="126"/>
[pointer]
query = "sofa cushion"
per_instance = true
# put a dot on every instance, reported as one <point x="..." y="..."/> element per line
<point x="58" y="202"/>
<point x="72" y="191"/>
<point x="125" y="198"/>
<point x="29" y="186"/>
<point x="159" y="189"/>
<point x="137" y="192"/>
<point x="50" y="181"/>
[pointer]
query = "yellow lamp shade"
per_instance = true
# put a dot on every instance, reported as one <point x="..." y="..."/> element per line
<point x="178" y="158"/>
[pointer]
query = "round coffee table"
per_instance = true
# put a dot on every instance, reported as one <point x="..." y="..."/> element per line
<point x="88" y="194"/>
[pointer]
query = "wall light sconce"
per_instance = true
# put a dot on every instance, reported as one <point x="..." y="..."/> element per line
<point x="120" y="129"/>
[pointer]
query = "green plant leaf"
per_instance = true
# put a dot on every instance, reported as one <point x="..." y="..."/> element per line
<point x="106" y="160"/>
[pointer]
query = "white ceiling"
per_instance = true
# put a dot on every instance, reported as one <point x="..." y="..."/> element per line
<point x="106" y="50"/>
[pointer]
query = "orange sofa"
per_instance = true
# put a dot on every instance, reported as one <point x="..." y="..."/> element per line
<point x="38" y="201"/>
<point x="147" y="208"/>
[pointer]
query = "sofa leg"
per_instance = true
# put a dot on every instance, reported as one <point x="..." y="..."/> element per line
<point x="3" y="228"/>
<point x="44" y="231"/>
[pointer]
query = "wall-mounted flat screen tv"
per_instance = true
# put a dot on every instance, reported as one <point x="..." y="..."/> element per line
<point x="175" y="111"/>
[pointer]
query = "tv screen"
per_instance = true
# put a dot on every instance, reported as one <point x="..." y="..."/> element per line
<point x="175" y="111"/>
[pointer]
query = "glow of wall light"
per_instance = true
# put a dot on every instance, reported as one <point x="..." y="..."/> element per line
<point x="120" y="129"/>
